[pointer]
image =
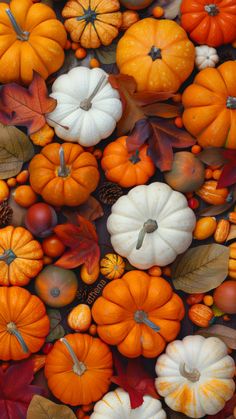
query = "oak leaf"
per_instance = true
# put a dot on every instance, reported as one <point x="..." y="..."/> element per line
<point x="42" y="408"/>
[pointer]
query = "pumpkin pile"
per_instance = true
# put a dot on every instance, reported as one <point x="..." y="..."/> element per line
<point x="117" y="209"/>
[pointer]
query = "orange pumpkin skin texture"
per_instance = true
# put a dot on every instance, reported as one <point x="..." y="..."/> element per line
<point x="70" y="387"/>
<point x="23" y="314"/>
<point x="71" y="186"/>
<point x="210" y="106"/>
<point x="21" y="257"/>
<point x="92" y="23"/>
<point x="157" y="53"/>
<point x="40" y="49"/>
<point x="131" y="308"/>
<point x="127" y="169"/>
<point x="211" y="23"/>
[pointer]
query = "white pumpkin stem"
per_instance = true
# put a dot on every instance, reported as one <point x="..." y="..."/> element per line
<point x="57" y="123"/>
<point x="211" y="9"/>
<point x="86" y="104"/>
<point x="191" y="375"/>
<point x="78" y="368"/>
<point x="63" y="170"/>
<point x="148" y="227"/>
<point x="141" y="317"/>
<point x="12" y="329"/>
<point x="21" y="35"/>
<point x="231" y="102"/>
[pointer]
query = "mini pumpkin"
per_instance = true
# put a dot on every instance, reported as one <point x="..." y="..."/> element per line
<point x="126" y="168"/>
<point x="21" y="257"/>
<point x="24" y="324"/>
<point x="112" y="266"/>
<point x="79" y="369"/>
<point x="64" y="174"/>
<point x="88" y="108"/>
<point x="206" y="57"/>
<point x="151" y="225"/>
<point x="210" y="106"/>
<point x="138" y="313"/>
<point x="157" y="53"/>
<point x="195" y="376"/>
<point x="32" y="38"/>
<point x="80" y="318"/>
<point x="92" y="24"/>
<point x="212" y="195"/>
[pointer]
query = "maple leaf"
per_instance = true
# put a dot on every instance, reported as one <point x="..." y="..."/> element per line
<point x="82" y="241"/>
<point x="16" y="391"/>
<point x="26" y="107"/>
<point x="228" y="175"/>
<point x="135" y="380"/>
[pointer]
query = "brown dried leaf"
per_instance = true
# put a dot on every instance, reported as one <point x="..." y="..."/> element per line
<point x="232" y="233"/>
<point x="42" y="408"/>
<point x="91" y="210"/>
<point x="227" y="334"/>
<point x="212" y="156"/>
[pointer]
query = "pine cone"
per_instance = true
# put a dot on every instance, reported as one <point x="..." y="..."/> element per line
<point x="109" y="192"/>
<point x="6" y="213"/>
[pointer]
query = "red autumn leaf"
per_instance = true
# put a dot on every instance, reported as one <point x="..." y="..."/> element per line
<point x="135" y="380"/>
<point x="91" y="210"/>
<point x="26" y="107"/>
<point x="228" y="175"/>
<point x="227" y="411"/>
<point x="82" y="241"/>
<point x="16" y="391"/>
<point x="139" y="135"/>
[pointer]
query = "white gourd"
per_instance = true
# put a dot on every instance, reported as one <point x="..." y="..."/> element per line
<point x="88" y="107"/>
<point x="151" y="225"/>
<point x="195" y="376"/>
<point x="205" y="57"/>
<point x="116" y="405"/>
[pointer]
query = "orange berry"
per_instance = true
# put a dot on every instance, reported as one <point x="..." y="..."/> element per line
<point x="94" y="63"/>
<point x="196" y="149"/>
<point x="93" y="330"/>
<point x="155" y="271"/>
<point x="166" y="271"/>
<point x="88" y="407"/>
<point x="4" y="191"/>
<point x="208" y="173"/>
<point x="208" y="300"/>
<point x="177" y="98"/>
<point x="80" y="53"/>
<point x="75" y="45"/>
<point x="11" y="182"/>
<point x="47" y="260"/>
<point x="217" y="174"/>
<point x="97" y="153"/>
<point x="179" y="122"/>
<point x="25" y="196"/>
<point x="52" y="246"/>
<point x="68" y="44"/>
<point x="22" y="177"/>
<point x="226" y="318"/>
<point x="157" y="11"/>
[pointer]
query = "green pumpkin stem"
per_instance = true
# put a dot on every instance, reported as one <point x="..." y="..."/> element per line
<point x="12" y="329"/>
<point x="63" y="170"/>
<point x="148" y="227"/>
<point x="86" y="104"/>
<point x="78" y="368"/>
<point x="141" y="317"/>
<point x="212" y="9"/>
<point x="8" y="256"/>
<point x="21" y="35"/>
<point x="191" y="375"/>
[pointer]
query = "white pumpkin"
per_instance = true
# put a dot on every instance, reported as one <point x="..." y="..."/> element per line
<point x="205" y="57"/>
<point x="88" y="108"/>
<point x="116" y="405"/>
<point x="195" y="376"/>
<point x="151" y="225"/>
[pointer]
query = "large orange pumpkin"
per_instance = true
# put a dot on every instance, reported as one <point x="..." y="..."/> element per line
<point x="79" y="369"/>
<point x="138" y="313"/>
<point x="210" y="106"/>
<point x="64" y="174"/>
<point x="21" y="257"/>
<point x="23" y="323"/>
<point x="31" y="39"/>
<point x="157" y="53"/>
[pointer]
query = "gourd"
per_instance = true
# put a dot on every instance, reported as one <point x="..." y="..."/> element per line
<point x="222" y="231"/>
<point x="211" y="194"/>
<point x="116" y="405"/>
<point x="125" y="168"/>
<point x="64" y="174"/>
<point x="32" y="38"/>
<point x="57" y="287"/>
<point x="195" y="376"/>
<point x="24" y="324"/>
<point x="200" y="314"/>
<point x="80" y="318"/>
<point x="204" y="228"/>
<point x="209" y="22"/>
<point x="92" y="24"/>
<point x="21" y="257"/>
<point x="151" y="225"/>
<point x="112" y="266"/>
<point x="210" y="106"/>
<point x="88" y="108"/>
<point x="157" y="53"/>
<point x="79" y="369"/>
<point x="138" y="313"/>
<point x="205" y="57"/>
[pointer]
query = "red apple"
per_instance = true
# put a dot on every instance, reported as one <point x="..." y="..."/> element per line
<point x="40" y="219"/>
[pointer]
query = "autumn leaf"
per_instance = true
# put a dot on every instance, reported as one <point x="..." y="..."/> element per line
<point x="140" y="134"/>
<point x="226" y="411"/>
<point x="225" y="333"/>
<point x="26" y="107"/>
<point x="42" y="408"/>
<point x="228" y="175"/>
<point x="56" y="330"/>
<point x="91" y="210"/>
<point x="82" y="241"/>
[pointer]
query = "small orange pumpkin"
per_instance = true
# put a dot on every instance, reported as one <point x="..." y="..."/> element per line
<point x="210" y="194"/>
<point x="200" y="315"/>
<point x="64" y="174"/>
<point x="80" y="318"/>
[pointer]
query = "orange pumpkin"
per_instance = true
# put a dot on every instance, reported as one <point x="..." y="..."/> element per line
<point x="64" y="174"/>
<point x="23" y="323"/>
<point x="79" y="369"/>
<point x="31" y="39"/>
<point x="92" y="23"/>
<point x="157" y="53"/>
<point x="125" y="168"/>
<point x="200" y="314"/>
<point x="138" y="313"/>
<point x="210" y="106"/>
<point x="80" y="318"/>
<point x="210" y="194"/>
<point x="21" y="257"/>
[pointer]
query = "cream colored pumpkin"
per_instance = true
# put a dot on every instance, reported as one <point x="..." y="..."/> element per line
<point x="205" y="57"/>
<point x="195" y="376"/>
<point x="116" y="405"/>
<point x="151" y="225"/>
<point x="88" y="108"/>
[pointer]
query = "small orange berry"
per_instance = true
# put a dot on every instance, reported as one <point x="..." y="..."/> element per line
<point x="157" y="11"/>
<point x="75" y="45"/>
<point x="97" y="153"/>
<point x="196" y="149"/>
<point x="226" y="318"/>
<point x="177" y="98"/>
<point x="22" y="177"/>
<point x="80" y="53"/>
<point x="94" y="63"/>
<point x="88" y="407"/>
<point x="52" y="246"/>
<point x="208" y="300"/>
<point x="93" y="330"/>
<point x="25" y="196"/>
<point x="217" y="174"/>
<point x="166" y="271"/>
<point x="208" y="174"/>
<point x="179" y="122"/>
<point x="11" y="182"/>
<point x="68" y="45"/>
<point x="47" y="260"/>
<point x="155" y="271"/>
<point x="4" y="191"/>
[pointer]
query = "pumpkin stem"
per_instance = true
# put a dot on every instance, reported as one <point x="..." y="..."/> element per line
<point x="63" y="170"/>
<point x="8" y="256"/>
<point x="90" y="16"/>
<point x="211" y="9"/>
<point x="141" y="317"/>
<point x="135" y="157"/>
<point x="148" y="227"/>
<point x="86" y="104"/>
<point x="21" y="35"/>
<point x="231" y="102"/>
<point x="57" y="123"/>
<point x="155" y="53"/>
<point x="78" y="368"/>
<point x="191" y="375"/>
<point x="55" y="292"/>
<point x="12" y="329"/>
